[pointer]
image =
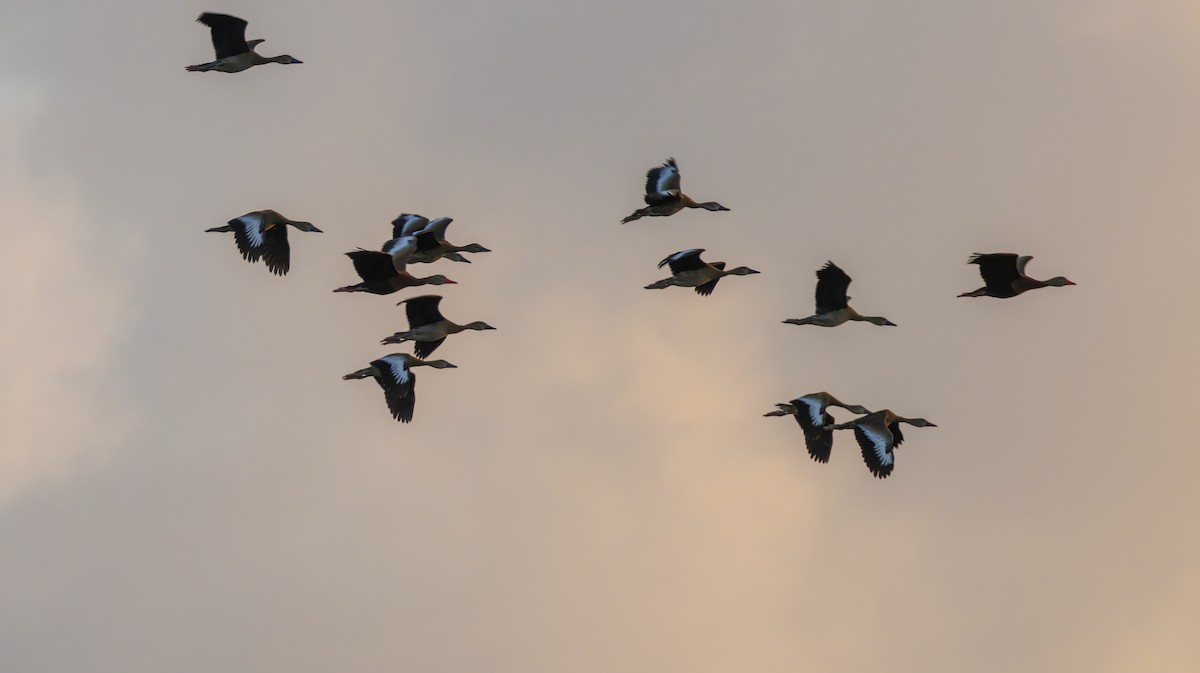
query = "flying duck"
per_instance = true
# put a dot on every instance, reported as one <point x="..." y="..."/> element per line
<point x="688" y="270"/>
<point x="383" y="273"/>
<point x="832" y="306"/>
<point x="663" y="196"/>
<point x="879" y="434"/>
<point x="430" y="238"/>
<point x="427" y="327"/>
<point x="810" y="413"/>
<point x="394" y="374"/>
<point x="1004" y="276"/>
<point x="234" y="53"/>
<point x="446" y="249"/>
<point x="262" y="234"/>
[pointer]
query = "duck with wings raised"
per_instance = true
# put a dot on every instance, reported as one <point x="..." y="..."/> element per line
<point x="234" y="52"/>
<point x="1004" y="276"/>
<point x="833" y="307"/>
<point x="427" y="327"/>
<point x="664" y="197"/>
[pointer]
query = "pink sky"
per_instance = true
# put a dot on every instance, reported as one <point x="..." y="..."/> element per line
<point x="187" y="485"/>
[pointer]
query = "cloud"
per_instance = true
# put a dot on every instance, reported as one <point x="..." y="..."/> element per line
<point x="594" y="488"/>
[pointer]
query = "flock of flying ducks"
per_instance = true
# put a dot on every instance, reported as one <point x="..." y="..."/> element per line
<point x="262" y="235"/>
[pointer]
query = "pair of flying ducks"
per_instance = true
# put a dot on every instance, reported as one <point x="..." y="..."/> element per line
<point x="878" y="433"/>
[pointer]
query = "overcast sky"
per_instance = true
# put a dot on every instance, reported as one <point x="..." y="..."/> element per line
<point x="187" y="485"/>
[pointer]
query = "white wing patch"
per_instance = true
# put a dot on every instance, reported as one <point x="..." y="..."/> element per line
<point x="399" y="369"/>
<point x="668" y="181"/>
<point x="685" y="253"/>
<point x="815" y="410"/>
<point x="410" y="223"/>
<point x="252" y="225"/>
<point x="438" y="226"/>
<point x="401" y="248"/>
<point x="881" y="441"/>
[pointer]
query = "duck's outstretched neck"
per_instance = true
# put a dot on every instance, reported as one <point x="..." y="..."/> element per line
<point x="636" y="215"/>
<point x="878" y="320"/>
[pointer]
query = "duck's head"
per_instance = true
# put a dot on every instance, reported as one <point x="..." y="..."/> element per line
<point x="743" y="271"/>
<point x="439" y="279"/>
<point x="1059" y="281"/>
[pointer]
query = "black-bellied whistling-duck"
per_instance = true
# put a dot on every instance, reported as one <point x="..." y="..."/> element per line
<point x="394" y="374"/>
<point x="663" y="196"/>
<point x="688" y="270"/>
<point x="810" y="412"/>
<point x="234" y="53"/>
<point x="262" y="234"/>
<point x="430" y="238"/>
<point x="427" y="327"/>
<point x="382" y="273"/>
<point x="878" y="435"/>
<point x="1004" y="276"/>
<point x="832" y="306"/>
